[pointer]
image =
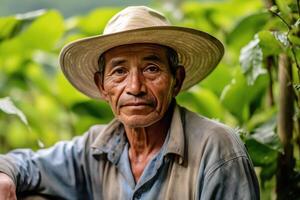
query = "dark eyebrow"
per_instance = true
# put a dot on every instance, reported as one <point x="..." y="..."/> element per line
<point x="152" y="57"/>
<point x="117" y="61"/>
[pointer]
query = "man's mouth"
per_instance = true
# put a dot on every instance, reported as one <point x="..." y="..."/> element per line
<point x="137" y="104"/>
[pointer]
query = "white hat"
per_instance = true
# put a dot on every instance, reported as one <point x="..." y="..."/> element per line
<point x="198" y="51"/>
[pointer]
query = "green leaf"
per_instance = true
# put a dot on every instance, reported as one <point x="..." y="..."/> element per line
<point x="222" y="75"/>
<point x="44" y="32"/>
<point x="189" y="100"/>
<point x="264" y="144"/>
<point x="284" y="9"/>
<point x="297" y="23"/>
<point x="202" y="101"/>
<point x="66" y="93"/>
<point x="246" y="28"/>
<point x="251" y="58"/>
<point x="260" y="154"/>
<point x="238" y="95"/>
<point x="94" y="22"/>
<point x="12" y="25"/>
<point x="268" y="172"/>
<point x="48" y="61"/>
<point x="266" y="135"/>
<point x="294" y="39"/>
<point x="97" y="109"/>
<point x="269" y="43"/>
<point x="233" y="97"/>
<point x="261" y="116"/>
<point x="17" y="136"/>
<point x="7" y="106"/>
<point x="282" y="38"/>
<point x="212" y="16"/>
<point x="7" y="27"/>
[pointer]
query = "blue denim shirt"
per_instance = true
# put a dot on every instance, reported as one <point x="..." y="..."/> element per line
<point x="200" y="159"/>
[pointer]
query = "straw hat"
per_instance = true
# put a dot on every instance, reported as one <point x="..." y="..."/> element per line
<point x="198" y="52"/>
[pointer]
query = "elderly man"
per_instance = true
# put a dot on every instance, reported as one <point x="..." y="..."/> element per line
<point x="153" y="149"/>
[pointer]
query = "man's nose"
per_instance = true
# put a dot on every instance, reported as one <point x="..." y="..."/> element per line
<point x="136" y="85"/>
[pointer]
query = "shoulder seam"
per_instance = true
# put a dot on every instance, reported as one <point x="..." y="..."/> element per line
<point x="223" y="162"/>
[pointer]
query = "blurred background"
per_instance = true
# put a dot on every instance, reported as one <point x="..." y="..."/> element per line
<point x="255" y="88"/>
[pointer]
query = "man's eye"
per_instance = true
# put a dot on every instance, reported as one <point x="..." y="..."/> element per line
<point x="152" y="69"/>
<point x="119" y="71"/>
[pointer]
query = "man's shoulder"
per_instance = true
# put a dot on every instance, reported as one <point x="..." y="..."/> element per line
<point x="200" y="124"/>
<point x="210" y="133"/>
<point x="94" y="131"/>
<point x="210" y="142"/>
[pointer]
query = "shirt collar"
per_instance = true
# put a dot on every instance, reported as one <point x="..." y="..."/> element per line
<point x="112" y="139"/>
<point x="176" y="143"/>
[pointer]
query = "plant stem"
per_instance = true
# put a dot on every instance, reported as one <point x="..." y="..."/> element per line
<point x="298" y="6"/>
<point x="277" y="15"/>
<point x="285" y="128"/>
<point x="296" y="60"/>
<point x="269" y="65"/>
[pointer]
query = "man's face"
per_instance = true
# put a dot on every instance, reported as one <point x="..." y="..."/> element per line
<point x="137" y="83"/>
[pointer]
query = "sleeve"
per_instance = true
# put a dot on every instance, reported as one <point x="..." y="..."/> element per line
<point x="233" y="179"/>
<point x="53" y="171"/>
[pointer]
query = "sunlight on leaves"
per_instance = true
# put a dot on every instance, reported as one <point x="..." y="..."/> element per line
<point x="7" y="106"/>
<point x="251" y="60"/>
<point x="282" y="38"/>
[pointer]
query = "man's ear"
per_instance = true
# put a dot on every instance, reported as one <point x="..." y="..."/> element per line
<point x="179" y="78"/>
<point x="98" y="79"/>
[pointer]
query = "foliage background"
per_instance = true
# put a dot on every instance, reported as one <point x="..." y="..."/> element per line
<point x="41" y="107"/>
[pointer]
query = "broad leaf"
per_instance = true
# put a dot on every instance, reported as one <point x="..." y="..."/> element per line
<point x="261" y="116"/>
<point x="233" y="97"/>
<point x="202" y="101"/>
<point x="209" y="16"/>
<point x="7" y="27"/>
<point x="44" y="32"/>
<point x="66" y="93"/>
<point x="246" y="28"/>
<point x="284" y="9"/>
<point x="94" y="22"/>
<point x="269" y="43"/>
<point x="267" y="172"/>
<point x="266" y="134"/>
<point x="282" y="38"/>
<point x="255" y="150"/>
<point x="12" y="25"/>
<point x="97" y="109"/>
<point x="218" y="79"/>
<point x="263" y="146"/>
<point x="7" y="106"/>
<point x="251" y="59"/>
<point x="294" y="39"/>
<point x="238" y="95"/>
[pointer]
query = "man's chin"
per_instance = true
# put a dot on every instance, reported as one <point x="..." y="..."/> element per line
<point x="139" y="121"/>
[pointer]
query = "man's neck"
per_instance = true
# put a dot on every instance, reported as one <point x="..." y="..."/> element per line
<point x="145" y="142"/>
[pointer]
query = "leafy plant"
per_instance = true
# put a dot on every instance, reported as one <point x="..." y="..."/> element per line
<point x="244" y="91"/>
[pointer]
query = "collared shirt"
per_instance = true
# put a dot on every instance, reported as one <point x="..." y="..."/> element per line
<point x="200" y="159"/>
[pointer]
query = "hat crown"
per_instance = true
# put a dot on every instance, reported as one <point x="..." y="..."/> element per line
<point x="135" y="17"/>
<point x="198" y="51"/>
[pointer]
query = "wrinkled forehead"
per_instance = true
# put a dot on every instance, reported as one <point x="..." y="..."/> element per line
<point x="136" y="49"/>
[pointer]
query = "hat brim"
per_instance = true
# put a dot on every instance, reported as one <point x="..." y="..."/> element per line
<point x="198" y="52"/>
